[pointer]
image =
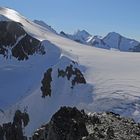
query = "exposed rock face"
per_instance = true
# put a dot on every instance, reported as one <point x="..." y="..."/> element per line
<point x="14" y="41"/>
<point x="75" y="72"/>
<point x="46" y="83"/>
<point x="71" y="73"/>
<point x="71" y="124"/>
<point x="66" y="124"/>
<point x="113" y="127"/>
<point x="63" y="34"/>
<point x="14" y="130"/>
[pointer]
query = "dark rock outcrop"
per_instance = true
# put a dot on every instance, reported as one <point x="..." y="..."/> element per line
<point x="71" y="124"/>
<point x="71" y="71"/>
<point x="46" y="83"/>
<point x="16" y="42"/>
<point x="14" y="130"/>
<point x="66" y="124"/>
<point x="21" y="118"/>
<point x="63" y="33"/>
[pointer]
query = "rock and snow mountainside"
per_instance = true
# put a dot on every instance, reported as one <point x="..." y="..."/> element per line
<point x="55" y="71"/>
<point x="111" y="41"/>
<point x="15" y="42"/>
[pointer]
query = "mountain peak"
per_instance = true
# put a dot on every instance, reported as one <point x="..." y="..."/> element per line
<point x="82" y="33"/>
<point x="113" y="34"/>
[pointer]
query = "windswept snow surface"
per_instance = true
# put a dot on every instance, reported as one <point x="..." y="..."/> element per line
<point x="113" y="78"/>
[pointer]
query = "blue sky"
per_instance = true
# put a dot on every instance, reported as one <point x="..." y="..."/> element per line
<point x="96" y="16"/>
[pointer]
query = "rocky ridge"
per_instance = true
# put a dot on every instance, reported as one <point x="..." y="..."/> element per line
<point x="16" y="42"/>
<point x="71" y="124"/>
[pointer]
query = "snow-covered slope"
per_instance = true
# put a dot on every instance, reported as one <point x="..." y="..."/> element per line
<point x="111" y="41"/>
<point x="112" y="78"/>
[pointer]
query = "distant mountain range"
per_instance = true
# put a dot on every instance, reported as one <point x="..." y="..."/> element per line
<point x="112" y="40"/>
